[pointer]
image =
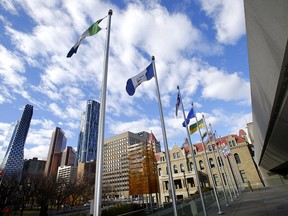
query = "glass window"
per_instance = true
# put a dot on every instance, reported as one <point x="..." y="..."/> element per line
<point x="191" y="166"/>
<point x="243" y="176"/>
<point x="233" y="143"/>
<point x="237" y="158"/>
<point x="209" y="147"/>
<point x="201" y="164"/>
<point x="174" y="155"/>
<point x="160" y="172"/>
<point x="182" y="167"/>
<point x="178" y="155"/>
<point x="220" y="162"/>
<point x="175" y="169"/>
<point x="230" y="143"/>
<point x="212" y="165"/>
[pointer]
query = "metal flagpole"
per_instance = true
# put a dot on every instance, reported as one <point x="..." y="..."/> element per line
<point x="227" y="171"/>
<point x="229" y="174"/>
<point x="223" y="168"/>
<point x="193" y="156"/>
<point x="218" y="170"/>
<point x="172" y="187"/>
<point x="207" y="162"/>
<point x="100" y="142"/>
<point x="219" y="173"/>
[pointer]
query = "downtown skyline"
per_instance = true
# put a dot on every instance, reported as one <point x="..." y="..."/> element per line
<point x="199" y="45"/>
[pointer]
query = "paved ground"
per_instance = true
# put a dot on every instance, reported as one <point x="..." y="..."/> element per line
<point x="263" y="201"/>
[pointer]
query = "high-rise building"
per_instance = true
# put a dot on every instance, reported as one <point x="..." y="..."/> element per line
<point x="67" y="174"/>
<point x="13" y="161"/>
<point x="34" y="167"/>
<point x="57" y="146"/>
<point x="88" y="137"/>
<point x="68" y="157"/>
<point x="115" y="165"/>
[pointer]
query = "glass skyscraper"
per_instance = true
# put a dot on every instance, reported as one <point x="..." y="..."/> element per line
<point x="57" y="146"/>
<point x="13" y="161"/>
<point x="88" y="137"/>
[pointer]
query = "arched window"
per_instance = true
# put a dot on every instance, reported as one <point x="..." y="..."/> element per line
<point x="182" y="167"/>
<point x="191" y="166"/>
<point x="233" y="143"/>
<point x="211" y="163"/>
<point x="175" y="169"/>
<point x="210" y="147"/>
<point x="174" y="155"/>
<point x="201" y="164"/>
<point x="160" y="172"/>
<point x="220" y="162"/>
<point x="237" y="158"/>
<point x="230" y="143"/>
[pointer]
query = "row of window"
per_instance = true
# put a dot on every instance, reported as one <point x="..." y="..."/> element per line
<point x="201" y="165"/>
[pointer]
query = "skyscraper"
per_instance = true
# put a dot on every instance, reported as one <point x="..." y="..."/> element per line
<point x="68" y="157"/>
<point x="13" y="161"/>
<point x="87" y="142"/>
<point x="57" y="146"/>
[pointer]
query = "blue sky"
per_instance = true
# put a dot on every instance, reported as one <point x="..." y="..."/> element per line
<point x="199" y="45"/>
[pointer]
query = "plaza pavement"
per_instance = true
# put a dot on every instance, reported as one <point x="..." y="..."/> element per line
<point x="266" y="201"/>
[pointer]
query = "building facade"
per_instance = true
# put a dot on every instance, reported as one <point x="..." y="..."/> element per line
<point x="183" y="171"/>
<point x="12" y="164"/>
<point x="34" y="167"/>
<point x="57" y="146"/>
<point x="88" y="136"/>
<point x="142" y="169"/>
<point x="68" y="157"/>
<point x="115" y="166"/>
<point x="67" y="174"/>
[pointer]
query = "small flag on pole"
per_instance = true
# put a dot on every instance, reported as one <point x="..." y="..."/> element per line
<point x="177" y="104"/>
<point x="190" y="116"/>
<point x="92" y="30"/>
<point x="193" y="127"/>
<point x="135" y="81"/>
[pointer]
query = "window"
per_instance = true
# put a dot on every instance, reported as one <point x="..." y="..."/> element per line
<point x="213" y="147"/>
<point x="237" y="158"/>
<point x="178" y="155"/>
<point x="160" y="172"/>
<point x="212" y="165"/>
<point x="233" y="143"/>
<point x="230" y="143"/>
<point x="216" y="180"/>
<point x="174" y="155"/>
<point x="175" y="169"/>
<point x="191" y="166"/>
<point x="201" y="164"/>
<point x="243" y="176"/>
<point x="209" y="147"/>
<point x="220" y="162"/>
<point x="182" y="168"/>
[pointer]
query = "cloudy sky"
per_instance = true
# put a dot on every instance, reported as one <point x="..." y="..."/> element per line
<point x="199" y="45"/>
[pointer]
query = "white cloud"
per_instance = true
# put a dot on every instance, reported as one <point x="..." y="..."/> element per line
<point x="228" y="18"/>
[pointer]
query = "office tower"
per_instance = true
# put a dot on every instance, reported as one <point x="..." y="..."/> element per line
<point x="115" y="165"/>
<point x="68" y="157"/>
<point x="67" y="174"/>
<point x="57" y="145"/>
<point x="13" y="161"/>
<point x="34" y="167"/>
<point x="88" y="137"/>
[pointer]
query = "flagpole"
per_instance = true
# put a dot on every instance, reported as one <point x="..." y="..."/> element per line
<point x="172" y="188"/>
<point x="229" y="173"/>
<point x="219" y="173"/>
<point x="209" y="170"/>
<point x="193" y="157"/>
<point x="218" y="170"/>
<point x="100" y="142"/>
<point x="222" y="165"/>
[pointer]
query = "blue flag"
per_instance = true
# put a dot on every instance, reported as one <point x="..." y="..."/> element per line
<point x="190" y="116"/>
<point x="135" y="81"/>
